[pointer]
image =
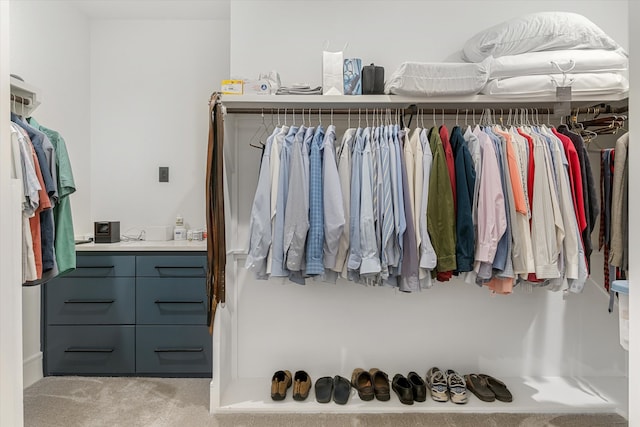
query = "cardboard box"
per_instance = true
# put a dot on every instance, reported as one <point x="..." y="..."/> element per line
<point x="232" y="87"/>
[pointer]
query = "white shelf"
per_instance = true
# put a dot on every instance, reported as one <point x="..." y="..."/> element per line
<point x="373" y="101"/>
<point x="27" y="91"/>
<point x="539" y="395"/>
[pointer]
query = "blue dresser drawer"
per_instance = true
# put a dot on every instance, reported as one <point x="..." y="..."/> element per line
<point x="173" y="350"/>
<point x="103" y="265"/>
<point x="96" y="300"/>
<point x="187" y="265"/>
<point x="171" y="301"/>
<point x="90" y="350"/>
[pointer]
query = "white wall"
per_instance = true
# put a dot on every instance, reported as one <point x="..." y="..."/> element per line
<point x="288" y="36"/>
<point x="150" y="84"/>
<point x="50" y="50"/>
<point x="11" y="382"/>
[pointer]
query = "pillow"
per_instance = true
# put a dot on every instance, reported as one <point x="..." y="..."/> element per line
<point x="553" y="62"/>
<point x="445" y="78"/>
<point x="595" y="84"/>
<point x="537" y="32"/>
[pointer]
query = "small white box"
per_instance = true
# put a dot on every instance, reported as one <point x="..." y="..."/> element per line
<point x="159" y="233"/>
<point x="257" y="87"/>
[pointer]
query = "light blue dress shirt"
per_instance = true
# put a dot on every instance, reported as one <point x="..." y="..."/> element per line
<point x="296" y="217"/>
<point x="332" y="199"/>
<point x="278" y="268"/>
<point x="355" y="255"/>
<point x="260" y="220"/>
<point x="370" y="265"/>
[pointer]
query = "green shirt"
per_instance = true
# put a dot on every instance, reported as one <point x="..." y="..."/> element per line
<point x="440" y="214"/>
<point x="65" y="247"/>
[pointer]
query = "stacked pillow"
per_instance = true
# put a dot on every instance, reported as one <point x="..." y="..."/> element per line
<point x="533" y="54"/>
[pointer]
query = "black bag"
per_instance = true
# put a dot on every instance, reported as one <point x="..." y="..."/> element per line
<point x="372" y="80"/>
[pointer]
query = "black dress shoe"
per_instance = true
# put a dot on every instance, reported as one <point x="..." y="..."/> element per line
<point x="419" y="387"/>
<point x="403" y="389"/>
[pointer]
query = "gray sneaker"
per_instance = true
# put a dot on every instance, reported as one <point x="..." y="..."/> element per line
<point x="457" y="386"/>
<point x="437" y="383"/>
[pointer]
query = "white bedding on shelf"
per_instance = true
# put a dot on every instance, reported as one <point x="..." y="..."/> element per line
<point x="573" y="60"/>
<point x="537" y="32"/>
<point x="543" y="85"/>
<point x="446" y="78"/>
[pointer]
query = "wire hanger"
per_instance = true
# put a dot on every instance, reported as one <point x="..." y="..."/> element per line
<point x="259" y="133"/>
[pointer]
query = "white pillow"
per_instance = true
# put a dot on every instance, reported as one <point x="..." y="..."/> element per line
<point x="537" y="32"/>
<point x="438" y="78"/>
<point x="544" y="85"/>
<point x="552" y="62"/>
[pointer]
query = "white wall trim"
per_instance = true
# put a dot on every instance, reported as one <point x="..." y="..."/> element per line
<point x="32" y="369"/>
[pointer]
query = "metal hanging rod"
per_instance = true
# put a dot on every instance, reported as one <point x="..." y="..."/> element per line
<point x="20" y="100"/>
<point x="413" y="109"/>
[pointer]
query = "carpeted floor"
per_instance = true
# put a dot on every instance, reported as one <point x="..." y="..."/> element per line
<point x="167" y="402"/>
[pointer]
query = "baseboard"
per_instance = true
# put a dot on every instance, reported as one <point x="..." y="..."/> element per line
<point x="32" y="369"/>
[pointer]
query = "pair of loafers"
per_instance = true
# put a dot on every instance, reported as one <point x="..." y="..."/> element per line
<point x="410" y="388"/>
<point x="281" y="381"/>
<point x="337" y="387"/>
<point x="371" y="383"/>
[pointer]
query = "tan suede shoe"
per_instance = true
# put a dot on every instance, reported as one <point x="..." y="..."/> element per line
<point x="301" y="385"/>
<point x="280" y="382"/>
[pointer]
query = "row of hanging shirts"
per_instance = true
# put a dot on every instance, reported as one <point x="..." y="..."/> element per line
<point x="389" y="205"/>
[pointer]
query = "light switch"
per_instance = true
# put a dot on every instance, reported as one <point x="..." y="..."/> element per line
<point x="163" y="175"/>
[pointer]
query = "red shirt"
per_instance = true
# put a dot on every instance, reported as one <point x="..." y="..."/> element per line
<point x="448" y="154"/>
<point x="575" y="177"/>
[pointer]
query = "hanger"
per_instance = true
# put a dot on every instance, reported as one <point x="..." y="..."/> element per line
<point x="259" y="133"/>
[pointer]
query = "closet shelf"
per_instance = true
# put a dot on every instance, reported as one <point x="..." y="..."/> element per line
<point x="24" y="91"/>
<point x="235" y="103"/>
<point x="531" y="394"/>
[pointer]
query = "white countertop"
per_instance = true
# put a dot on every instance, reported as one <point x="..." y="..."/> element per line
<point x="144" y="245"/>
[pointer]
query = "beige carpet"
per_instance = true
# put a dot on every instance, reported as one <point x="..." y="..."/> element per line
<point x="167" y="402"/>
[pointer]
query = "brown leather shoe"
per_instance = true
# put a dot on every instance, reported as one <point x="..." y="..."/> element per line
<point x="280" y="382"/>
<point x="361" y="381"/>
<point x="381" y="387"/>
<point x="301" y="385"/>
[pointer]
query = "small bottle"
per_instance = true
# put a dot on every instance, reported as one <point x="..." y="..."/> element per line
<point x="179" y="232"/>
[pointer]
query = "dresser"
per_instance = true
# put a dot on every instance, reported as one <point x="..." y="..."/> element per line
<point x="129" y="311"/>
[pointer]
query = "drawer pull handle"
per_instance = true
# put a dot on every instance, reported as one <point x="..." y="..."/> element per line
<point x="88" y="350"/>
<point x="96" y="266"/>
<point x="179" y="266"/>
<point x="179" y="350"/>
<point x="177" y="302"/>
<point x="89" y="301"/>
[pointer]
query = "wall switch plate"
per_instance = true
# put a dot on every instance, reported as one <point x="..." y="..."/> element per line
<point x="163" y="175"/>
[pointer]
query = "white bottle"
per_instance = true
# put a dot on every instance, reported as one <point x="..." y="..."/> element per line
<point x="179" y="232"/>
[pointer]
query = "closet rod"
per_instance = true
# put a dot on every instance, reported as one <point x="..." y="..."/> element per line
<point x="600" y="108"/>
<point x="20" y="100"/>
